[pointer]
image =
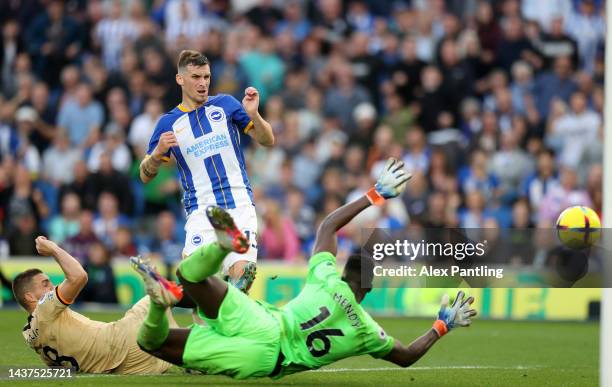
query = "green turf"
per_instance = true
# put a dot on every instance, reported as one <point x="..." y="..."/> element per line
<point x="490" y="353"/>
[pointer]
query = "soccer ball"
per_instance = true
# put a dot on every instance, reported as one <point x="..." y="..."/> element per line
<point x="578" y="227"/>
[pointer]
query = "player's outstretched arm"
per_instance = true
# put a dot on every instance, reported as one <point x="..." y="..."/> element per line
<point x="459" y="314"/>
<point x="406" y="356"/>
<point x="150" y="164"/>
<point x="262" y="130"/>
<point x="390" y="184"/>
<point x="76" y="276"/>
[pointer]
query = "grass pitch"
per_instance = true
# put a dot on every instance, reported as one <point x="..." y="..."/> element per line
<point x="490" y="353"/>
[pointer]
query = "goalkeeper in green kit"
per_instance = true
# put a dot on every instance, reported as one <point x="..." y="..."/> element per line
<point x="244" y="338"/>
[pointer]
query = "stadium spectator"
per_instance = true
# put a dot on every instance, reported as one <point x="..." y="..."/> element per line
<point x="26" y="153"/>
<point x="556" y="43"/>
<point x="82" y="185"/>
<point x="521" y="215"/>
<point x="22" y="234"/>
<point x="78" y="245"/>
<point x="310" y="117"/>
<point x="364" y="116"/>
<point x="510" y="164"/>
<point x="417" y="193"/>
<point x="369" y="65"/>
<point x="187" y="29"/>
<point x="229" y="75"/>
<point x="70" y="78"/>
<point x="488" y="30"/>
<point x="301" y="214"/>
<point x="555" y="84"/>
<point x="101" y="284"/>
<point x="513" y="45"/>
<point x="265" y="14"/>
<point x="59" y="161"/>
<point x="279" y="239"/>
<point x="24" y="201"/>
<point x="66" y="224"/>
<point x="399" y="116"/>
<point x="306" y="167"/>
<point x="264" y="68"/>
<point x="574" y="131"/>
<point x="123" y="244"/>
<point x="108" y="179"/>
<point x="82" y="117"/>
<point x="293" y="21"/>
<point x="11" y="45"/>
<point x="53" y="41"/>
<point x="537" y="185"/>
<point x="112" y="33"/>
<point x="587" y="26"/>
<point x="345" y="94"/>
<point x="108" y="219"/>
<point x="44" y="128"/>
<point x="143" y="125"/>
<point x="352" y="164"/>
<point x="522" y="86"/>
<point x="478" y="177"/>
<point x="416" y="158"/>
<point x="160" y="76"/>
<point x="113" y="145"/>
<point x="433" y="98"/>
<point x="165" y="244"/>
<point x="470" y="122"/>
<point x="475" y="214"/>
<point x="566" y="194"/>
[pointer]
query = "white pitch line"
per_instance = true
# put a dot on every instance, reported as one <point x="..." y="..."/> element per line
<point x="425" y="368"/>
<point x="380" y="369"/>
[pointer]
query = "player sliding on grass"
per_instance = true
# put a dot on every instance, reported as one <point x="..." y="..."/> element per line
<point x="324" y="323"/>
<point x="65" y="338"/>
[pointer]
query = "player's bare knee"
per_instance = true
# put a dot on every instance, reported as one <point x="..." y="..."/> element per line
<point x="236" y="270"/>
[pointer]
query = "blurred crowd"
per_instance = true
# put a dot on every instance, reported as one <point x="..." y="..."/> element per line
<point x="494" y="106"/>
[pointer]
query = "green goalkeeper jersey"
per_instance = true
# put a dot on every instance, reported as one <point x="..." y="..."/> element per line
<point x="325" y="323"/>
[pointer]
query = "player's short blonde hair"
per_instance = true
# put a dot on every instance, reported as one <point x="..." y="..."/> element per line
<point x="191" y="57"/>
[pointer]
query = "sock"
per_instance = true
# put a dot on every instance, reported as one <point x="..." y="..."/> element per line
<point x="203" y="263"/>
<point x="154" y="330"/>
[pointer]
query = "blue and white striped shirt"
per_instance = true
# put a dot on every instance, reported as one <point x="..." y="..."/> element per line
<point x="209" y="158"/>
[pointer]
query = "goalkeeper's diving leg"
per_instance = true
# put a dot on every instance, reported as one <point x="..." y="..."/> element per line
<point x="197" y="272"/>
<point x="197" y="276"/>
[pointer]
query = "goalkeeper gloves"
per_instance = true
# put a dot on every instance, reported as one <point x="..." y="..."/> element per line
<point x="390" y="184"/>
<point x="457" y="315"/>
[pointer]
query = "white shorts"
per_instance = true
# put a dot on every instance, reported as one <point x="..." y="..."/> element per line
<point x="199" y="232"/>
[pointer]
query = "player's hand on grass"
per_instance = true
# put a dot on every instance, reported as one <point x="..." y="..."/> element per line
<point x="45" y="247"/>
<point x="250" y="102"/>
<point x="391" y="183"/>
<point x="166" y="141"/>
<point x="459" y="314"/>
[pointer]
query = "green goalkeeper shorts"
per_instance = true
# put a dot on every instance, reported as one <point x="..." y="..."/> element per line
<point x="242" y="342"/>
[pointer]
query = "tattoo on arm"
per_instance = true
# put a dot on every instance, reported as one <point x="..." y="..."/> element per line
<point x="150" y="167"/>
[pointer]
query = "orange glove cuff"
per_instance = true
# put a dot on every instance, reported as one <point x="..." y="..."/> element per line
<point x="374" y="197"/>
<point x="440" y="327"/>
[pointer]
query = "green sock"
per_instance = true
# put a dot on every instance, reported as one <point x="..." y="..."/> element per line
<point x="154" y="330"/>
<point x="203" y="263"/>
